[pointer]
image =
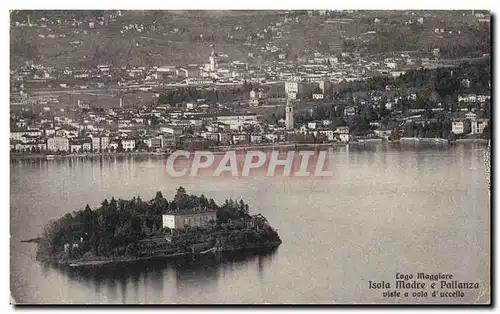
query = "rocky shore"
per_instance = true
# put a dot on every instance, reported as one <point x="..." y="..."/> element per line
<point x="93" y="261"/>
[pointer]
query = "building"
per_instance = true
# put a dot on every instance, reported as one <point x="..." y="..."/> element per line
<point x="253" y="102"/>
<point x="349" y="111"/>
<point x="237" y="120"/>
<point x="391" y="65"/>
<point x="212" y="60"/>
<point x="240" y="138"/>
<point x="128" y="145"/>
<point x="471" y="116"/>
<point x="82" y="144"/>
<point x="483" y="98"/>
<point x="210" y="136"/>
<point x="457" y="127"/>
<point x="166" y="71"/>
<point x="343" y="132"/>
<point x="171" y="129"/>
<point x="383" y="133"/>
<point x="467" y="98"/>
<point x="76" y="147"/>
<point x="96" y="144"/>
<point x="293" y="87"/>
<point x="29" y="147"/>
<point x="18" y="135"/>
<point x="323" y="86"/>
<point x="58" y="144"/>
<point x="190" y="71"/>
<point x="113" y="145"/>
<point x="168" y="141"/>
<point x="193" y="217"/>
<point x="289" y="115"/>
<point x="477" y="126"/>
<point x="271" y="137"/>
<point x="253" y="94"/>
<point x="199" y="81"/>
<point x="256" y="138"/>
<point x="154" y="142"/>
<point x="328" y="133"/>
<point x="257" y="94"/>
<point x="87" y="146"/>
<point x="344" y="137"/>
<point x="191" y="106"/>
<point x="50" y="132"/>
<point x="473" y="98"/>
<point x="104" y="143"/>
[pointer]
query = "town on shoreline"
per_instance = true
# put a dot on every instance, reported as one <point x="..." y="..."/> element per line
<point x="319" y="96"/>
<point x="48" y="156"/>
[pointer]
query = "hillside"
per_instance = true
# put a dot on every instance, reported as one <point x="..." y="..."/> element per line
<point x="156" y="44"/>
<point x="87" y="38"/>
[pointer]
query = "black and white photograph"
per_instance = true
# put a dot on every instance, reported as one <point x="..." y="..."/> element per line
<point x="320" y="157"/>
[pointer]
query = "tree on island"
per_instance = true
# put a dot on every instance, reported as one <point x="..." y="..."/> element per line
<point x="117" y="227"/>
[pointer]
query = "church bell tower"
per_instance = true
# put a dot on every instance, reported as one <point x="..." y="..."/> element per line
<point x="213" y="60"/>
<point x="289" y="115"/>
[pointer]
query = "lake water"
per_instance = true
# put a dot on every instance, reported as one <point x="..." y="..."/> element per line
<point x="387" y="209"/>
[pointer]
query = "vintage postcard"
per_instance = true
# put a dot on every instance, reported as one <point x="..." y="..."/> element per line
<point x="250" y="157"/>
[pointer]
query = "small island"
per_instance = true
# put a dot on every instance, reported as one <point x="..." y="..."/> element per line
<point x="130" y="230"/>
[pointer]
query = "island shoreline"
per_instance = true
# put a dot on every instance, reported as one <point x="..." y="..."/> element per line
<point x="122" y="260"/>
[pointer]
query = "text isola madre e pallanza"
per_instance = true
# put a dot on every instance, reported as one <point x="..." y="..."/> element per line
<point x="423" y="285"/>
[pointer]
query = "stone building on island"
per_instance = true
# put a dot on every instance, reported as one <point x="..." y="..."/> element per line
<point x="189" y="217"/>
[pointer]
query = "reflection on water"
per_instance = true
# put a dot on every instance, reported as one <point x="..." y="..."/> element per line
<point x="187" y="272"/>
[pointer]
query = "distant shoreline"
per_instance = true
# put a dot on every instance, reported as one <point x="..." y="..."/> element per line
<point x="443" y="140"/>
<point x="229" y="148"/>
<point x="472" y="140"/>
<point x="79" y="155"/>
<point x="17" y="156"/>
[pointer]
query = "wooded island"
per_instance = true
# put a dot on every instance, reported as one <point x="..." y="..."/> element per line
<point x="130" y="230"/>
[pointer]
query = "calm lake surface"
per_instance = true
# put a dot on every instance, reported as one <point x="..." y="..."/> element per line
<point x="387" y="209"/>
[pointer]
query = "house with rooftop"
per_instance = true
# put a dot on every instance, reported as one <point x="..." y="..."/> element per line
<point x="189" y="217"/>
<point x="128" y="144"/>
<point x="478" y="125"/>
<point x="58" y="144"/>
<point x="457" y="127"/>
<point x="236" y="121"/>
<point x="154" y="142"/>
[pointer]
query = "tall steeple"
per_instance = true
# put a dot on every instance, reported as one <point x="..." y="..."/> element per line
<point x="213" y="60"/>
<point x="289" y="115"/>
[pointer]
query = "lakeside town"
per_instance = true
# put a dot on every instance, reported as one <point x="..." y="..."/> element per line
<point x="180" y="156"/>
<point x="332" y="92"/>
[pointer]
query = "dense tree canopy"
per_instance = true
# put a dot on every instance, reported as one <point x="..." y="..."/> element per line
<point x="117" y="226"/>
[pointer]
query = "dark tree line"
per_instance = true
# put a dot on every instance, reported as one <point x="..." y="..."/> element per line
<point x="191" y="94"/>
<point x="116" y="226"/>
<point x="431" y="86"/>
<point x="440" y="129"/>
